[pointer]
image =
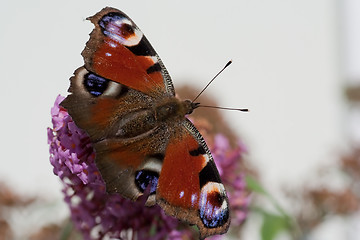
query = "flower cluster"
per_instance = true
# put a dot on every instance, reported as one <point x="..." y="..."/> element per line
<point x="226" y="160"/>
<point x="98" y="215"/>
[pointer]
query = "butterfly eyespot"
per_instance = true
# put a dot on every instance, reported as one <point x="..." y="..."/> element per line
<point x="214" y="211"/>
<point x="145" y="179"/>
<point x="95" y="84"/>
<point x="120" y="29"/>
<point x="99" y="86"/>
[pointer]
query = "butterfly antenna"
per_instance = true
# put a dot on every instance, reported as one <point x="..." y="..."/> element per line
<point x="227" y="64"/>
<point x="225" y="108"/>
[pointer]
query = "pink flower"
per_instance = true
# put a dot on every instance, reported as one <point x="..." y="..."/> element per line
<point x="227" y="161"/>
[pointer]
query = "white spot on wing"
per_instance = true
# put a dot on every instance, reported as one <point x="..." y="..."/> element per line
<point x="126" y="21"/>
<point x="193" y="199"/>
<point x="153" y="58"/>
<point x="206" y="156"/>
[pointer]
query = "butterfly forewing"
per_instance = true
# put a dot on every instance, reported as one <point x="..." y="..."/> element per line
<point x="119" y="51"/>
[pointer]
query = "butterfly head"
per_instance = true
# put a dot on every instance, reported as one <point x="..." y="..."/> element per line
<point x="189" y="106"/>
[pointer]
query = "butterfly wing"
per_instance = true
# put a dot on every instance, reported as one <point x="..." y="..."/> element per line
<point x="119" y="51"/>
<point x="189" y="186"/>
<point x="112" y="98"/>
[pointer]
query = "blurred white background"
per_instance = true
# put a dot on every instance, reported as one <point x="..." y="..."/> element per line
<point x="291" y="63"/>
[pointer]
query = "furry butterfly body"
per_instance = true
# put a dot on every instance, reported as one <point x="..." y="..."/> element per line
<point x="124" y="99"/>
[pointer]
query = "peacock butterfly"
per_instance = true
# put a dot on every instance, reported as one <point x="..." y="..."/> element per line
<point x="123" y="97"/>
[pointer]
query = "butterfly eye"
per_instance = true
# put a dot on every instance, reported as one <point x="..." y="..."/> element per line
<point x="145" y="179"/>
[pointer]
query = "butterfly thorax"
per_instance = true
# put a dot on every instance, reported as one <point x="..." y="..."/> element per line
<point x="143" y="121"/>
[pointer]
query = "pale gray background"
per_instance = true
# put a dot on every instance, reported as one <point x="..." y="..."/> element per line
<point x="289" y="67"/>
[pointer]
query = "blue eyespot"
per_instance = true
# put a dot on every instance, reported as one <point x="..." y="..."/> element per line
<point x="214" y="211"/>
<point x="117" y="27"/>
<point x="112" y="18"/>
<point x="95" y="84"/>
<point x="145" y="179"/>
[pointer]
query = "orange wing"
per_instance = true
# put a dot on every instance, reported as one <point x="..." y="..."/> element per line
<point x="189" y="186"/>
<point x="119" y="51"/>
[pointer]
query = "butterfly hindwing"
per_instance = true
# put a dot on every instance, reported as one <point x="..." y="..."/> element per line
<point x="189" y="186"/>
<point x="128" y="167"/>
